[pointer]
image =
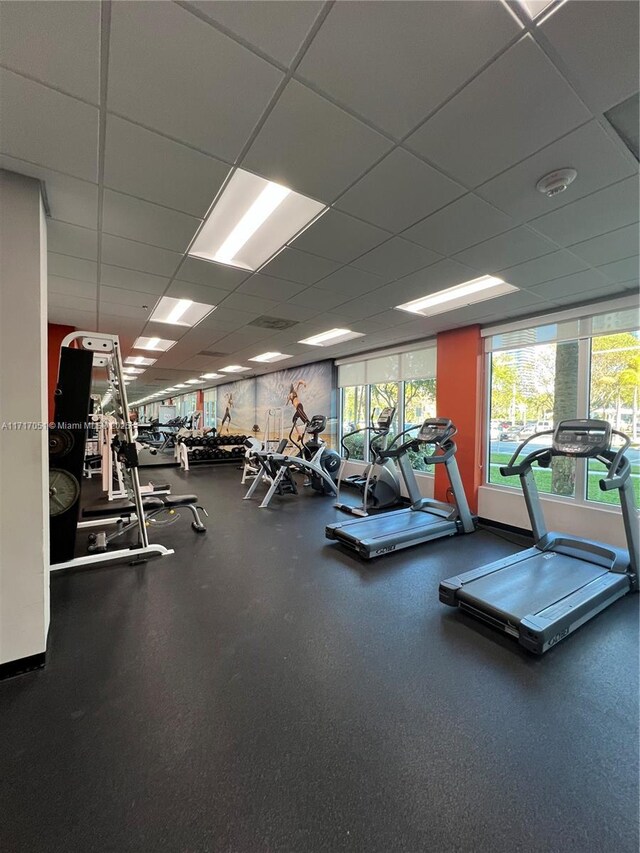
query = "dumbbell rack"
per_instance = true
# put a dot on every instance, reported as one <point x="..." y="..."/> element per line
<point x="209" y="448"/>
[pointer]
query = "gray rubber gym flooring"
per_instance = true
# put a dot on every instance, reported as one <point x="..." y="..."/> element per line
<point x="263" y="691"/>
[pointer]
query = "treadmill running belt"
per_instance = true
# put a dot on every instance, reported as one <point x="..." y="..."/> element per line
<point x="384" y="524"/>
<point x="529" y="586"/>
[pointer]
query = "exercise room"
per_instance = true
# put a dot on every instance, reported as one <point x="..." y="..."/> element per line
<point x="319" y="426"/>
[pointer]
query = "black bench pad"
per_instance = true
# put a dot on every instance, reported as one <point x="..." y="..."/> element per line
<point x="108" y="509"/>
<point x="179" y="500"/>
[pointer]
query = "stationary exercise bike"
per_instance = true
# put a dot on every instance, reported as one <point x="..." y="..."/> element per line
<point x="379" y="483"/>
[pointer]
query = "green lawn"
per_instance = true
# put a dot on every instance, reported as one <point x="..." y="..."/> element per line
<point x="543" y="479"/>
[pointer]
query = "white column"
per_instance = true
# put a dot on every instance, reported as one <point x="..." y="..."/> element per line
<point x="24" y="505"/>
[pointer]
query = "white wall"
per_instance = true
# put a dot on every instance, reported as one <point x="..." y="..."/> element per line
<point x="593" y="522"/>
<point x="24" y="510"/>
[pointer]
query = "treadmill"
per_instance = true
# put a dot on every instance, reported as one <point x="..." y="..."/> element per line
<point x="425" y="519"/>
<point x="544" y="593"/>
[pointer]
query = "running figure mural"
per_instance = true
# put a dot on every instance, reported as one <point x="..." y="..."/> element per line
<point x="299" y="413"/>
<point x="226" y="418"/>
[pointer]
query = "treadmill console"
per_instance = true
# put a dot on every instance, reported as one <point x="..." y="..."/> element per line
<point x="581" y="438"/>
<point x="385" y="419"/>
<point x="434" y="430"/>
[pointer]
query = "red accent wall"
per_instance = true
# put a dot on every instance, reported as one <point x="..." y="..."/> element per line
<point x="55" y="336"/>
<point x="459" y="397"/>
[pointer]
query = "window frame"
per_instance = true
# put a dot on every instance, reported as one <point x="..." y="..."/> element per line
<point x="585" y="335"/>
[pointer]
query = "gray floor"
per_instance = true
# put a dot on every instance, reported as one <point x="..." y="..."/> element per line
<point x="263" y="691"/>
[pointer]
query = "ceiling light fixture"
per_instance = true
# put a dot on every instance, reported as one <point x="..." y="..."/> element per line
<point x="234" y="368"/>
<point x="270" y="356"/>
<point x="252" y="220"/>
<point x="467" y="293"/>
<point x="194" y="381"/>
<point x="153" y="344"/>
<point x="132" y="370"/>
<point x="331" y="337"/>
<point x="140" y="360"/>
<point x="181" y="385"/>
<point x="180" y="312"/>
<point x="210" y="376"/>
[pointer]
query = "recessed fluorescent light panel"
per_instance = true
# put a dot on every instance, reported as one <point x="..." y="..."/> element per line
<point x="140" y="361"/>
<point x="331" y="337"/>
<point x="180" y="312"/>
<point x="181" y="385"/>
<point x="132" y="370"/>
<point x="194" y="381"/>
<point x="468" y="293"/>
<point x="270" y="356"/>
<point x="158" y="344"/>
<point x="251" y="221"/>
<point x="234" y="368"/>
<point x="211" y="376"/>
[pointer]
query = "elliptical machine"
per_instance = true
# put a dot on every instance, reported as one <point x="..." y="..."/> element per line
<point x="329" y="460"/>
<point x="379" y="483"/>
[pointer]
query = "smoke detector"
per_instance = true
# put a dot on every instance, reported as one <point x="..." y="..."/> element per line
<point x="556" y="182"/>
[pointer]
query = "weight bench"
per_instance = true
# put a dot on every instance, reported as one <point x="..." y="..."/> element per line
<point x="124" y="510"/>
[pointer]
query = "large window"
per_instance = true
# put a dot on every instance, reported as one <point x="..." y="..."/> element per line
<point x="589" y="367"/>
<point x="210" y="396"/>
<point x="404" y="380"/>
<point x="614" y="396"/>
<point x="419" y="404"/>
<point x="354" y="416"/>
<point x="531" y="389"/>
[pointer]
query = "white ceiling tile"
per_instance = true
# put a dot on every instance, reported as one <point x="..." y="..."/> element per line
<point x="517" y="105"/>
<point x="73" y="302"/>
<point x="269" y="287"/>
<point x="55" y="42"/>
<point x="312" y="146"/>
<point x="445" y="273"/>
<point x="542" y="269"/>
<point x="571" y="285"/>
<point x="72" y="287"/>
<point x="618" y="244"/>
<point x="391" y="318"/>
<point x="276" y="28"/>
<point x="299" y="313"/>
<point x="69" y="267"/>
<point x="610" y="208"/>
<point x="602" y="294"/>
<point x="124" y="216"/>
<point x="396" y="258"/>
<point x="85" y="320"/>
<point x="138" y="256"/>
<point x="48" y="128"/>
<point x="145" y="164"/>
<point x="196" y="292"/>
<point x="72" y="240"/>
<point x="624" y="270"/>
<point x="393" y="62"/>
<point x="598" y="42"/>
<point x="70" y="200"/>
<point x="299" y="266"/>
<point x="132" y="280"/>
<point x="136" y="317"/>
<point x="322" y="300"/>
<point x="215" y="275"/>
<point x="340" y="237"/>
<point x="190" y="81"/>
<point x="227" y="319"/>
<point x="359" y="309"/>
<point x="506" y="250"/>
<point x="398" y="191"/>
<point x="350" y="282"/>
<point x="588" y="150"/>
<point x="244" y="302"/>
<point x="132" y="298"/>
<point x="463" y="223"/>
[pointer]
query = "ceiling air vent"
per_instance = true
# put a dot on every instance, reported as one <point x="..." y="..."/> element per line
<point x="624" y="120"/>
<point x="265" y="322"/>
<point x="210" y="354"/>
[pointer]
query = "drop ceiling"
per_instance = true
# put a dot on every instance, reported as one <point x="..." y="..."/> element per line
<point x="423" y="125"/>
